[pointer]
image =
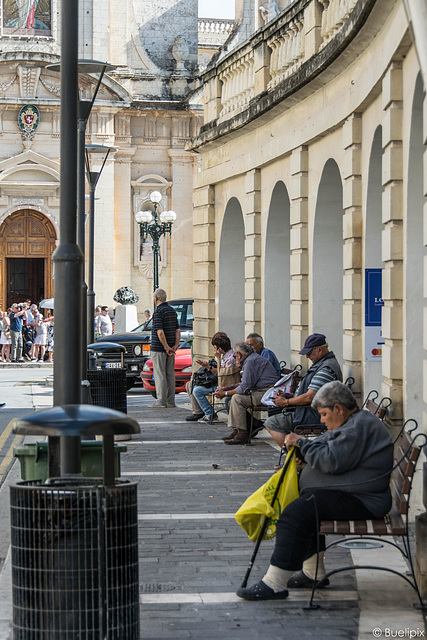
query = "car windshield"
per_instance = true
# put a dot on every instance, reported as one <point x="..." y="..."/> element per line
<point x="184" y="312"/>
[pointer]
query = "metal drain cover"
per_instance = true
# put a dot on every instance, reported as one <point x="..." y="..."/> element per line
<point x="155" y="587"/>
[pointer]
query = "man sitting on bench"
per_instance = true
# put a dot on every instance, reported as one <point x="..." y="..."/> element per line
<point x="324" y="369"/>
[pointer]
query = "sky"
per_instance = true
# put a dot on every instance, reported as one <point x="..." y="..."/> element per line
<point x="216" y="8"/>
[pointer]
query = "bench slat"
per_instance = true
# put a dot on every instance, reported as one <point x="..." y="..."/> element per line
<point x="379" y="527"/>
<point x="404" y="444"/>
<point x="360" y="527"/>
<point x="397" y="524"/>
<point x="401" y="480"/>
<point x="327" y="526"/>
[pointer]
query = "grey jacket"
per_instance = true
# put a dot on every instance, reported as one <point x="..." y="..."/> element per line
<point x="352" y="458"/>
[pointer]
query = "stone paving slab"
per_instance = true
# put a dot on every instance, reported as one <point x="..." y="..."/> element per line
<point x="193" y="555"/>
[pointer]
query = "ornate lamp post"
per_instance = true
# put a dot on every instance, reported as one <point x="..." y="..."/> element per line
<point x="149" y="224"/>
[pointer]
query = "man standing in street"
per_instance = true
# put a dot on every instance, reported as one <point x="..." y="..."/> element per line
<point x="16" y="317"/>
<point x="165" y="335"/>
<point x="103" y="323"/>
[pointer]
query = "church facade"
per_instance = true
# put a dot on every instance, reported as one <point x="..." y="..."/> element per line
<point x="143" y="109"/>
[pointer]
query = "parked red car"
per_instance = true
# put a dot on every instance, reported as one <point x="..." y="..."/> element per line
<point x="183" y="371"/>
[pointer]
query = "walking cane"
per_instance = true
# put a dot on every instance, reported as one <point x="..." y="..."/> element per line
<point x="265" y="524"/>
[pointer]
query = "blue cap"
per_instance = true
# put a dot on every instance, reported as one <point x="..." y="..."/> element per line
<point x="315" y="340"/>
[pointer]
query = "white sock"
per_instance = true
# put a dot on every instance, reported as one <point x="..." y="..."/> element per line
<point x="277" y="579"/>
<point x="309" y="566"/>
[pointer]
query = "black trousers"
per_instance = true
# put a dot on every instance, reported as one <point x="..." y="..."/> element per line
<point x="296" y="527"/>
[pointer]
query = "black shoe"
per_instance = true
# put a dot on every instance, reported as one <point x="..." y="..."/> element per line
<point x="260" y="591"/>
<point x="194" y="417"/>
<point x="2" y="404"/>
<point x="300" y="581"/>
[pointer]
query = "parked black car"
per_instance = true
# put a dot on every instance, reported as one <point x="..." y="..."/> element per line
<point x="137" y="342"/>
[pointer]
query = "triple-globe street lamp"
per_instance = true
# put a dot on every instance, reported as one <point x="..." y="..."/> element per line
<point x="149" y="225"/>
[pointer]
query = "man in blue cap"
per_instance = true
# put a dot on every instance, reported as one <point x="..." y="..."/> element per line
<point x="325" y="368"/>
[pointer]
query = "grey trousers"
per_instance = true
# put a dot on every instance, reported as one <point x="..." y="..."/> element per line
<point x="164" y="376"/>
<point x="239" y="405"/>
<point x="16" y="349"/>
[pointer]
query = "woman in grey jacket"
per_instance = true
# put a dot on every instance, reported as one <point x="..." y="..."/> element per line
<point x="347" y="472"/>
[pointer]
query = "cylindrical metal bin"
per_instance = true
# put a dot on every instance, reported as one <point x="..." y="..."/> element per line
<point x="75" y="560"/>
<point x="108" y="388"/>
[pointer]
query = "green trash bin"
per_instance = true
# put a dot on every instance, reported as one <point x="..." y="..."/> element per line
<point x="34" y="463"/>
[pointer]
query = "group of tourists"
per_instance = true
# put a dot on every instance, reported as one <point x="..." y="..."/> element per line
<point x="26" y="335"/>
<point x="345" y="471"/>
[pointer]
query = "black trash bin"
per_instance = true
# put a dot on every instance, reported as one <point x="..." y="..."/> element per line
<point x="75" y="561"/>
<point x="107" y="386"/>
<point x="74" y="540"/>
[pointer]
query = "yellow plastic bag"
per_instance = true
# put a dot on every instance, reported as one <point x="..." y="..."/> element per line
<point x="257" y="507"/>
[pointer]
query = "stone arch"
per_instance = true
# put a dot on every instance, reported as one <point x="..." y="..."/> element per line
<point x="373" y="262"/>
<point x="29" y="237"/>
<point x="415" y="254"/>
<point x="327" y="269"/>
<point x="231" y="272"/>
<point x="277" y="274"/>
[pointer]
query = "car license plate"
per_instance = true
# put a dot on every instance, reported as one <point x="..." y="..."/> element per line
<point x="113" y="365"/>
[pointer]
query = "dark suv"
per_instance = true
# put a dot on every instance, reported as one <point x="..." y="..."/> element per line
<point x="137" y="342"/>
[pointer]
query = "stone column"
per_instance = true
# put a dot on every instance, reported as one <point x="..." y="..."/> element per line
<point x="122" y="272"/>
<point x="299" y="251"/>
<point x="392" y="239"/>
<point x="252" y="217"/>
<point x="204" y="269"/>
<point x="181" y="258"/>
<point x="352" y="257"/>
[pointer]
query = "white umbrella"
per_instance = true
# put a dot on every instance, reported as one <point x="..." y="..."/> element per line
<point x="48" y="303"/>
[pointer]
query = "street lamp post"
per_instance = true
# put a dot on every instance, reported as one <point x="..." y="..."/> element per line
<point x="93" y="179"/>
<point x="96" y="69"/>
<point x="149" y="224"/>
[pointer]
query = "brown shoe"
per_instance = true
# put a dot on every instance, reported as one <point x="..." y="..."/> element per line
<point x="232" y="435"/>
<point x="240" y="438"/>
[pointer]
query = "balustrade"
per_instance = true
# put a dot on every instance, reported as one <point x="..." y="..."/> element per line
<point x="271" y="55"/>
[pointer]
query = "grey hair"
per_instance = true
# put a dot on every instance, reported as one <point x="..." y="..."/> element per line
<point x="148" y="311"/>
<point x="258" y="339"/>
<point x="334" y="393"/>
<point x="160" y="295"/>
<point x="244" y="348"/>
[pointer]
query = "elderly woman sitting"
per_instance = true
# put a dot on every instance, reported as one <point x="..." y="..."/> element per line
<point x="347" y="472"/>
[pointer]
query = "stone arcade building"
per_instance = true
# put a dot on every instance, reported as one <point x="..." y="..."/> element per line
<point x="309" y="202"/>
<point x="143" y="110"/>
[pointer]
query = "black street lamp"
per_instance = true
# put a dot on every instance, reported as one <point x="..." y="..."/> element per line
<point x="93" y="179"/>
<point x="96" y="69"/>
<point x="149" y="224"/>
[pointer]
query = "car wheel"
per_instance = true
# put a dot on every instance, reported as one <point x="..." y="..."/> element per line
<point x="129" y="383"/>
<point x="154" y="394"/>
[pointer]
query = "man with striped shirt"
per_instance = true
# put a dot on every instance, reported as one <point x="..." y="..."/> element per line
<point x="165" y="335"/>
<point x="325" y="368"/>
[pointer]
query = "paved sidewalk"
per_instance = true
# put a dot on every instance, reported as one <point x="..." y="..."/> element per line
<point x="193" y="555"/>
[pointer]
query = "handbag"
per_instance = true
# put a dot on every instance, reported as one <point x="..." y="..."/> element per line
<point x="204" y="377"/>
<point x="257" y="507"/>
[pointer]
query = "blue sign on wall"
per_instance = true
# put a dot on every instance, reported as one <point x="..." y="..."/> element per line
<point x="373" y="297"/>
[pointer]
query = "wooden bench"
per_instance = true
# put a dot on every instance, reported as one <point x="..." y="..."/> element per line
<point x="378" y="409"/>
<point x="395" y="524"/>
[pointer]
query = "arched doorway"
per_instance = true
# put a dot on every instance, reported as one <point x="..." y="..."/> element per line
<point x="231" y="285"/>
<point x="328" y="259"/>
<point x="414" y="264"/>
<point x="27" y="241"/>
<point x="373" y="268"/>
<point x="277" y="274"/>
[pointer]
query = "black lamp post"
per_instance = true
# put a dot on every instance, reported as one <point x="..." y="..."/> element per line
<point x="96" y="69"/>
<point x="149" y="224"/>
<point x="93" y="179"/>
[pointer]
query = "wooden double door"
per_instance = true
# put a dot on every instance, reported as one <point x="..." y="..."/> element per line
<point x="27" y="241"/>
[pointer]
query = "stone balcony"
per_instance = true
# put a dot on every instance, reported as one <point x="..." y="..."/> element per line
<point x="277" y="61"/>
